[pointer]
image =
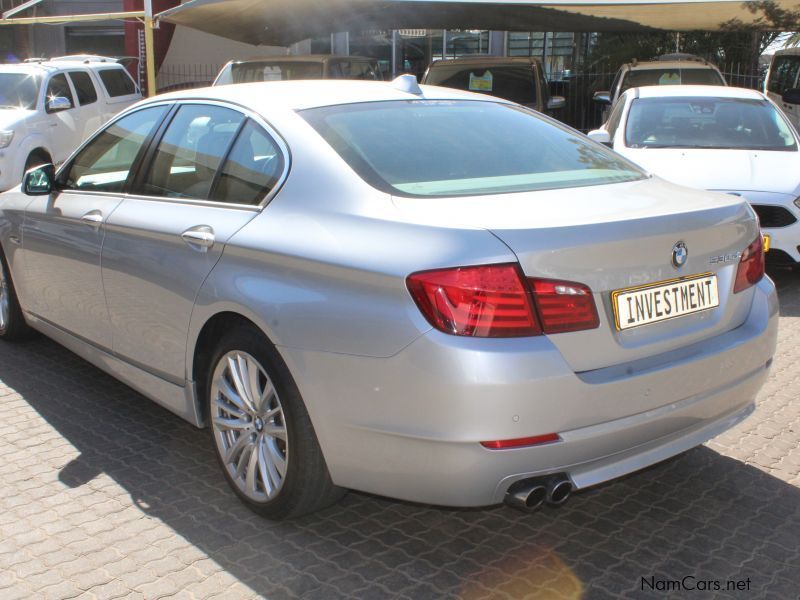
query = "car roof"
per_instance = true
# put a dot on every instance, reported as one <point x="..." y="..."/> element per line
<point x="710" y="91"/>
<point x="47" y="66"/>
<point x="260" y="97"/>
<point x="485" y="60"/>
<point x="789" y="51"/>
<point x="315" y="58"/>
<point x="672" y="64"/>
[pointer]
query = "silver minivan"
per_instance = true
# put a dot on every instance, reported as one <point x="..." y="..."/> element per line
<point x="781" y="84"/>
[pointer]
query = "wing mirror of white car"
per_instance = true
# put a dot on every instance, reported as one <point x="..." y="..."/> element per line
<point x="601" y="136"/>
<point x="556" y="102"/>
<point x="58" y="103"/>
<point x="39" y="181"/>
<point x="602" y="97"/>
<point x="791" y="96"/>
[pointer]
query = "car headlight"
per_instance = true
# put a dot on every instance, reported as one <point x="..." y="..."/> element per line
<point x="797" y="202"/>
<point x="5" y="138"/>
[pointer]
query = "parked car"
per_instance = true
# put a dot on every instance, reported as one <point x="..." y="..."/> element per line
<point x="518" y="79"/>
<point x="47" y="108"/>
<point x="781" y="85"/>
<point x="669" y="69"/>
<point x="730" y="140"/>
<point x="416" y="292"/>
<point x="288" y="68"/>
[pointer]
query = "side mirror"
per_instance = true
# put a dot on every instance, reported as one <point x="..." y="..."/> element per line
<point x="792" y="96"/>
<point x="39" y="181"/>
<point x="602" y="97"/>
<point x="58" y="103"/>
<point x="556" y="102"/>
<point x="601" y="136"/>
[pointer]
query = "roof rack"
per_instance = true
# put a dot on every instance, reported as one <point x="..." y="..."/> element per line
<point x="84" y="58"/>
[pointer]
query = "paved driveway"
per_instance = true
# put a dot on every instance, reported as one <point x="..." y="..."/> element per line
<point x="104" y="494"/>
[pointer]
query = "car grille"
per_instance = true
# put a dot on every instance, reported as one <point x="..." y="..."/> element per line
<point x="773" y="216"/>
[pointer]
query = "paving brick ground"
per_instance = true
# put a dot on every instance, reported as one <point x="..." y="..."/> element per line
<point x="103" y="494"/>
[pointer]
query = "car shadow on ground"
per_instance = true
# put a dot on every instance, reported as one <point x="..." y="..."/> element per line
<point x="701" y="514"/>
<point x="788" y="283"/>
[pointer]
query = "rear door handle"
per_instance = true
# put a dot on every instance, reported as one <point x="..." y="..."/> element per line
<point x="93" y="218"/>
<point x="199" y="238"/>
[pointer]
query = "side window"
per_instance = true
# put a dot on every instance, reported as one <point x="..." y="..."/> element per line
<point x="117" y="82"/>
<point x="84" y="87"/>
<point x="253" y="168"/>
<point x="105" y="163"/>
<point x="190" y="153"/>
<point x="58" y="87"/>
<point x="783" y="74"/>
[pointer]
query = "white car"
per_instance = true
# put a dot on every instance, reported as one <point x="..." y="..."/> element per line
<point x="724" y="139"/>
<point x="47" y="108"/>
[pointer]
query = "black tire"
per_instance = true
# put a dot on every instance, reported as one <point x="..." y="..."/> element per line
<point x="307" y="484"/>
<point x="37" y="158"/>
<point x="14" y="328"/>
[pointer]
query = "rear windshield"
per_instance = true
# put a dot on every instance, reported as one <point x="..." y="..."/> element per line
<point x="250" y="72"/>
<point x="722" y="123"/>
<point x="19" y="90"/>
<point x="463" y="148"/>
<point x="645" y="77"/>
<point x="515" y="83"/>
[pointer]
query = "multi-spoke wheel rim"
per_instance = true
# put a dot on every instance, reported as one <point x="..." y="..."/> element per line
<point x="249" y="426"/>
<point x="5" y="309"/>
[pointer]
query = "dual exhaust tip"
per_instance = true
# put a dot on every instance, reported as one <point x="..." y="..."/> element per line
<point x="530" y="494"/>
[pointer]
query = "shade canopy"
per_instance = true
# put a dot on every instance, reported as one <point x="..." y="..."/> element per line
<point x="282" y="22"/>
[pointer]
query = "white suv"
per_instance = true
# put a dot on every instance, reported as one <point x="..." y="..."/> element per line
<point x="47" y="108"/>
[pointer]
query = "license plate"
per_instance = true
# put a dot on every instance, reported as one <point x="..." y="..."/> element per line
<point x="767" y="242"/>
<point x="664" y="300"/>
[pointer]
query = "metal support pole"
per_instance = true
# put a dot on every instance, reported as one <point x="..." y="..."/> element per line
<point x="149" y="47"/>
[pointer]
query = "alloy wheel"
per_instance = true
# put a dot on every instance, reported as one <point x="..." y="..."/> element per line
<point x="249" y="427"/>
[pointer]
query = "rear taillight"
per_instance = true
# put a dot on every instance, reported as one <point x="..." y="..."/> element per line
<point x="564" y="306"/>
<point x="497" y="301"/>
<point x="484" y="301"/>
<point x="751" y="266"/>
<point x="537" y="440"/>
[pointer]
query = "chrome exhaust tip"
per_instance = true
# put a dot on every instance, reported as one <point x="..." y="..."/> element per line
<point x="527" y="495"/>
<point x="559" y="489"/>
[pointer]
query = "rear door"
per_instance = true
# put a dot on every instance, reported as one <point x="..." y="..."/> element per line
<point x="209" y="174"/>
<point x="120" y="90"/>
<point x="88" y="105"/>
<point x="783" y="76"/>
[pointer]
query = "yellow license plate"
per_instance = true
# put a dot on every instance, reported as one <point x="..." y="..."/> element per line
<point x="663" y="300"/>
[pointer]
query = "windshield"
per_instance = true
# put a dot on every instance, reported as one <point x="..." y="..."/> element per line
<point x="249" y="72"/>
<point x="19" y="90"/>
<point x="515" y="83"/>
<point x="463" y="148"/>
<point x="731" y="123"/>
<point x="645" y="77"/>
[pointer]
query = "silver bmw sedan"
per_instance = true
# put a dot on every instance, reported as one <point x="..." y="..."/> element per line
<point x="416" y="292"/>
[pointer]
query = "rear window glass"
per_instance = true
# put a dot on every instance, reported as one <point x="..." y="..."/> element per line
<point x="117" y="82"/>
<point x="645" y="77"/>
<point x="702" y="122"/>
<point x="249" y="72"/>
<point x="463" y="148"/>
<point x="511" y="82"/>
<point x="84" y="88"/>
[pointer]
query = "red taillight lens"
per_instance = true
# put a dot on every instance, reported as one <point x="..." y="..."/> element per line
<point x="547" y="438"/>
<point x="564" y="306"/>
<point x="751" y="266"/>
<point x="483" y="301"/>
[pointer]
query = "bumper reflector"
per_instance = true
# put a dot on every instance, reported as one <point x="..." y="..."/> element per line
<point x="536" y="440"/>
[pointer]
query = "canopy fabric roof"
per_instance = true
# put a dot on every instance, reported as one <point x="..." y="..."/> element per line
<point x="282" y="22"/>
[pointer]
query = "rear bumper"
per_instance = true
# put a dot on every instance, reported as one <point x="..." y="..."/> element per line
<point x="409" y="426"/>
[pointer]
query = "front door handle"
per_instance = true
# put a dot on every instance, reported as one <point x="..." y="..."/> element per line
<point x="199" y="238"/>
<point x="93" y="218"/>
